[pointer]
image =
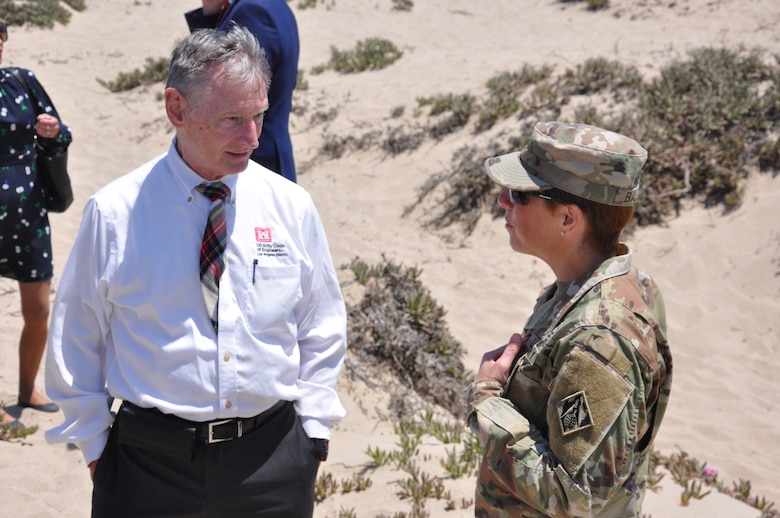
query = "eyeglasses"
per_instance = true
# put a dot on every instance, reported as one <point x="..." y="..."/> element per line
<point x="523" y="197"/>
<point x="3" y="32"/>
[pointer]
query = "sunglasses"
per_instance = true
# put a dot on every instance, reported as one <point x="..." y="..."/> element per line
<point x="3" y="32"/>
<point x="523" y="197"/>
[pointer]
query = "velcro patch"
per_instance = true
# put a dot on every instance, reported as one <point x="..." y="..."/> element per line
<point x="574" y="413"/>
<point x="595" y="395"/>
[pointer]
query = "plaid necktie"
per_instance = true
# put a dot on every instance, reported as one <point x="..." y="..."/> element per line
<point x="213" y="247"/>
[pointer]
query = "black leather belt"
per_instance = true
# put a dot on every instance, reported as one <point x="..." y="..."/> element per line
<point x="219" y="430"/>
<point x="229" y="429"/>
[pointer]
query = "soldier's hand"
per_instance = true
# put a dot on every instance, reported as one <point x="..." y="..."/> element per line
<point x="497" y="363"/>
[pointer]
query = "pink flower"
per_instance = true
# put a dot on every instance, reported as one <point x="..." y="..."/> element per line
<point x="709" y="472"/>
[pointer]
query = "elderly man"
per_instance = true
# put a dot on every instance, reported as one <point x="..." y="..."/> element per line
<point x="201" y="293"/>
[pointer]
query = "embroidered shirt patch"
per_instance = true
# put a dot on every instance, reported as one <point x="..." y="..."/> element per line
<point x="574" y="413"/>
<point x="263" y="235"/>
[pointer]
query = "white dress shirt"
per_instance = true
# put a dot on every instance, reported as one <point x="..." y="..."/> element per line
<point x="129" y="321"/>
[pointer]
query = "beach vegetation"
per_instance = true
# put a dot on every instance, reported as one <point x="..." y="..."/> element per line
<point x="311" y="4"/>
<point x="398" y="326"/>
<point x="769" y="155"/>
<point x="419" y="485"/>
<point x="76" y="5"/>
<point x="380" y="457"/>
<point x="403" y="5"/>
<point x="467" y="191"/>
<point x="453" y="111"/>
<point x="447" y="433"/>
<point x="589" y="114"/>
<point x="697" y="480"/>
<point x="403" y="139"/>
<point x="595" y="5"/>
<point x="705" y="121"/>
<point x="335" y="146"/>
<point x="545" y="100"/>
<point x="464" y="462"/>
<point x="599" y="74"/>
<point x="592" y="5"/>
<point x="155" y="70"/>
<point x="8" y="433"/>
<point x="322" y="116"/>
<point x="40" y="13"/>
<point x="326" y="485"/>
<point x="368" y="54"/>
<point x="307" y="4"/>
<point x="504" y="92"/>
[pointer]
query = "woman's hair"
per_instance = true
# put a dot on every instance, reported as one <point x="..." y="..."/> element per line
<point x="237" y="51"/>
<point x="606" y="222"/>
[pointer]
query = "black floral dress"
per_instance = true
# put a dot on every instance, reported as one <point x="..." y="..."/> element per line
<point x="25" y="235"/>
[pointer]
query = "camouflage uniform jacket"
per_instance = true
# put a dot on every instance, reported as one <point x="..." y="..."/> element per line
<point x="571" y="432"/>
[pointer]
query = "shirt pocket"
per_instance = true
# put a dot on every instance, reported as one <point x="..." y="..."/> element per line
<point x="272" y="295"/>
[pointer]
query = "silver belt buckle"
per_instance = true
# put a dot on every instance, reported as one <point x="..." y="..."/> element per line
<point x="239" y="429"/>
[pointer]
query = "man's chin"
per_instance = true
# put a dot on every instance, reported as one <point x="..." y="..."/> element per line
<point x="237" y="164"/>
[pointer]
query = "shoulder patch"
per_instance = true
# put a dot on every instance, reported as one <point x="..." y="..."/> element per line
<point x="574" y="413"/>
<point x="586" y="398"/>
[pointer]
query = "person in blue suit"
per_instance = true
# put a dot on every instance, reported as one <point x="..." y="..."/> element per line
<point x="273" y="24"/>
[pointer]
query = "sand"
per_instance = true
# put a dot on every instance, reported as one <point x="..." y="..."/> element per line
<point x="720" y="273"/>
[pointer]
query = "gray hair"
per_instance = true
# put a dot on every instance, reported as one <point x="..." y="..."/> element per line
<point x="196" y="54"/>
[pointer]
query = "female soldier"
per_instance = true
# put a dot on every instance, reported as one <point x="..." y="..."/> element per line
<point x="567" y="411"/>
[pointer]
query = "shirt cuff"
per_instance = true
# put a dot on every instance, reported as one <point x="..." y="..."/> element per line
<point x="482" y="389"/>
<point x="315" y="429"/>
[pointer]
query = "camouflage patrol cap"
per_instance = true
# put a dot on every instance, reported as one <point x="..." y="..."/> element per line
<point x="587" y="161"/>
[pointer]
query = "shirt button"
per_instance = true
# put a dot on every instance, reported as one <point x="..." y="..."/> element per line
<point x="226" y="357"/>
<point x="228" y="404"/>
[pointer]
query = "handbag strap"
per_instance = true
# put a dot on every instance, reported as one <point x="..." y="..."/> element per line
<point x="19" y="79"/>
<point x="49" y="148"/>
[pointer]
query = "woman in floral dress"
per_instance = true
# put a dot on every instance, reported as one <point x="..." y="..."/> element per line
<point x="26" y="114"/>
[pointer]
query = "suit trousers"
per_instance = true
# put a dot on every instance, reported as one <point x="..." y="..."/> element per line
<point x="269" y="472"/>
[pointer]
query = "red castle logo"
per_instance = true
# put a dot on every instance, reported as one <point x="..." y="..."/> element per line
<point x="262" y="235"/>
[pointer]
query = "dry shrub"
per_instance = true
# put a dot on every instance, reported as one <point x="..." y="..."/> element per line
<point x="398" y="326"/>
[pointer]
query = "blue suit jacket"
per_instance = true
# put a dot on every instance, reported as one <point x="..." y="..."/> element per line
<point x="273" y="24"/>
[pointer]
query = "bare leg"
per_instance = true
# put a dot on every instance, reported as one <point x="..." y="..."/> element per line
<point x="35" y="312"/>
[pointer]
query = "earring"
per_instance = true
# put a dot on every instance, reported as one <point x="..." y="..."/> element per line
<point x="563" y="232"/>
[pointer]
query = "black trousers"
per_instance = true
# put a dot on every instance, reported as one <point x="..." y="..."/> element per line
<point x="269" y="472"/>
